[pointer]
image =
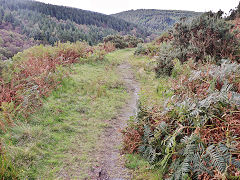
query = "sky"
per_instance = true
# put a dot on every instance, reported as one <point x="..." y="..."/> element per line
<point x="115" y="6"/>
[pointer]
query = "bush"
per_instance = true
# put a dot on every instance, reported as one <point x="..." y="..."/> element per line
<point x="165" y="60"/>
<point x="132" y="41"/>
<point x="234" y="13"/>
<point x="122" y="42"/>
<point x="140" y="50"/>
<point x="207" y="36"/>
<point x="148" y="49"/>
<point x="165" y="37"/>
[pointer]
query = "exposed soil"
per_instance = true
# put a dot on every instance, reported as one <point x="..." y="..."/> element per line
<point x="110" y="160"/>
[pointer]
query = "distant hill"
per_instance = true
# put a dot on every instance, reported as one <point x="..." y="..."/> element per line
<point x="24" y="23"/>
<point x="154" y="20"/>
<point x="47" y="24"/>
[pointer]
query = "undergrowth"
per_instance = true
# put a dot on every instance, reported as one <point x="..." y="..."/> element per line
<point x="194" y="132"/>
<point x="28" y="140"/>
<point x="65" y="130"/>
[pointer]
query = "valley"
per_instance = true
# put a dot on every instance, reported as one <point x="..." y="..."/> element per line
<point x="142" y="94"/>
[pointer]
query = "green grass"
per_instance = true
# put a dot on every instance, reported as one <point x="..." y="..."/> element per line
<point x="151" y="88"/>
<point x="141" y="169"/>
<point x="153" y="92"/>
<point x="117" y="57"/>
<point x="62" y="136"/>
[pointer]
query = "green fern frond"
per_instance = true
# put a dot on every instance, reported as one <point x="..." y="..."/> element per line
<point x="217" y="158"/>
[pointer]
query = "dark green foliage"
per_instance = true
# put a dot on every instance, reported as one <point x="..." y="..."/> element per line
<point x="207" y="36"/>
<point x="140" y="50"/>
<point x="49" y="24"/>
<point x="77" y="16"/>
<point x="234" y="13"/>
<point x="156" y="21"/>
<point x="117" y="40"/>
<point x="132" y="41"/>
<point x="8" y="17"/>
<point x="165" y="60"/>
<point x="122" y="42"/>
<point x="147" y="49"/>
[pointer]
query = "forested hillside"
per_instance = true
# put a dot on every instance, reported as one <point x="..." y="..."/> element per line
<point x="34" y="22"/>
<point x="72" y="14"/>
<point x="156" y="21"/>
<point x="24" y="23"/>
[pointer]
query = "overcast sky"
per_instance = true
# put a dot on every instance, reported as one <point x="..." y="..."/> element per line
<point x="115" y="6"/>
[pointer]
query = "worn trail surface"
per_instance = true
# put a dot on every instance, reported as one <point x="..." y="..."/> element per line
<point x="111" y="161"/>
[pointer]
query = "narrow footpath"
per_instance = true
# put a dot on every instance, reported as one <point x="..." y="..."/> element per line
<point x="111" y="161"/>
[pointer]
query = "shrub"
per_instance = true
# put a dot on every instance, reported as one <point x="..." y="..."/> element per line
<point x="207" y="36"/>
<point x="165" y="37"/>
<point x="122" y="42"/>
<point x="140" y="50"/>
<point x="132" y="41"/>
<point x="148" y="49"/>
<point x="234" y="13"/>
<point x="165" y="60"/>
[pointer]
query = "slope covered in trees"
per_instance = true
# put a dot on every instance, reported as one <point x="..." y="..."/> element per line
<point x="156" y="21"/>
<point x="34" y="21"/>
<point x="66" y="13"/>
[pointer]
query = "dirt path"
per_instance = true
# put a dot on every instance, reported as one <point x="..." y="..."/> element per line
<point x="111" y="162"/>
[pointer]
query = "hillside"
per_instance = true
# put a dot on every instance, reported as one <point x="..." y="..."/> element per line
<point x="37" y="22"/>
<point x="73" y="14"/>
<point x="156" y="21"/>
<point x="121" y="109"/>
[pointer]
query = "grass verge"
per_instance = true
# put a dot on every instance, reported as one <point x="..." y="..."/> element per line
<point x="58" y="140"/>
<point x="153" y="92"/>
